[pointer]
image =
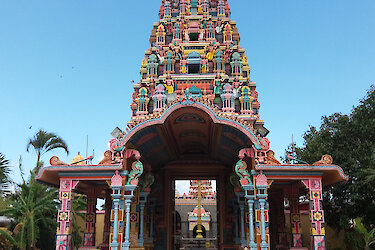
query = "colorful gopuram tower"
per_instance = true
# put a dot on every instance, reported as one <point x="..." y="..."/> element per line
<point x="195" y="116"/>
<point x="195" y="55"/>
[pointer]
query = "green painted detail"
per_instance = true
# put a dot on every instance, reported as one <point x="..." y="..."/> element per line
<point x="241" y="171"/>
<point x="196" y="93"/>
<point x="149" y="180"/>
<point x="137" y="170"/>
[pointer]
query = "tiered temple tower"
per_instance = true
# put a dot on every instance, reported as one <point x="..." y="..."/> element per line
<point x="195" y="54"/>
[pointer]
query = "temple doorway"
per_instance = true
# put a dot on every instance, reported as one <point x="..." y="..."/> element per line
<point x="195" y="213"/>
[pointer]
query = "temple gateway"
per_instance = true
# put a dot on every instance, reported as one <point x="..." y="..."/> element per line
<point x="195" y="116"/>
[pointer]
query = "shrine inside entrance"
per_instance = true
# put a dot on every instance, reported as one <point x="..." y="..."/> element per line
<point x="195" y="220"/>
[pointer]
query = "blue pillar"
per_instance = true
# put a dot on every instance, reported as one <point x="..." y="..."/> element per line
<point x="129" y="193"/>
<point x="263" y="244"/>
<point x="151" y="236"/>
<point x="241" y="204"/>
<point x="236" y="239"/>
<point x="142" y="204"/>
<point x="261" y="186"/>
<point x="242" y="215"/>
<point x="116" y="185"/>
<point x="249" y="194"/>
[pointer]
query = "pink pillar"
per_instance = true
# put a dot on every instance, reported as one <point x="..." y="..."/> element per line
<point x="89" y="236"/>
<point x="316" y="214"/>
<point x="63" y="234"/>
<point x="295" y="217"/>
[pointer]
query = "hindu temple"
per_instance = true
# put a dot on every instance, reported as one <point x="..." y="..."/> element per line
<point x="195" y="116"/>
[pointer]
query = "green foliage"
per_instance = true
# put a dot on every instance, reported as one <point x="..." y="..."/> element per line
<point x="34" y="207"/>
<point x="350" y="140"/>
<point x="368" y="236"/>
<point x="4" y="172"/>
<point x="6" y="239"/>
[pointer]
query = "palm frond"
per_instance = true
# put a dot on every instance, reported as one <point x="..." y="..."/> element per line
<point x="360" y="227"/>
<point x="6" y="235"/>
<point x="4" y="171"/>
<point x="56" y="142"/>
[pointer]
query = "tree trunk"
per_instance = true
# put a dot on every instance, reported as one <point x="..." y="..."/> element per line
<point x="37" y="161"/>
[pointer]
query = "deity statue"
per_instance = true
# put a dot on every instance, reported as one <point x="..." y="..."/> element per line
<point x="169" y="84"/>
<point x="201" y="34"/>
<point x="218" y="82"/>
<point x="183" y="65"/>
<point x="167" y="11"/>
<point x="169" y="61"/>
<point x="177" y="31"/>
<point x="205" y="6"/>
<point x="210" y="33"/>
<point x="220" y="8"/>
<point x="177" y="53"/>
<point x="219" y="60"/>
<point x="204" y="65"/>
<point x="236" y="86"/>
<point x="219" y="27"/>
<point x="182" y="7"/>
<point x="210" y="53"/>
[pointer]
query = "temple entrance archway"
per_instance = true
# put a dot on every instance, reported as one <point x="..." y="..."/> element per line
<point x="191" y="143"/>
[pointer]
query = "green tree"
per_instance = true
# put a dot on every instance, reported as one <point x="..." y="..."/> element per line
<point x="44" y="142"/>
<point x="34" y="207"/>
<point x="4" y="173"/>
<point x="350" y="140"/>
<point x="368" y="236"/>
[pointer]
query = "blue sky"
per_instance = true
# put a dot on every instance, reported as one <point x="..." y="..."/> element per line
<point x="66" y="66"/>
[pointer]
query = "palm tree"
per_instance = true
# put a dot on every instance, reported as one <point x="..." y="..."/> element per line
<point x="33" y="207"/>
<point x="368" y="236"/>
<point x="4" y="172"/>
<point x="43" y="142"/>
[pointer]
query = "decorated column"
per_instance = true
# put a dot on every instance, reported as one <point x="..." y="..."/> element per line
<point x="89" y="236"/>
<point x="63" y="234"/>
<point x="241" y="205"/>
<point x="129" y="194"/>
<point x="247" y="185"/>
<point x="295" y="217"/>
<point x="107" y="221"/>
<point x="151" y="233"/>
<point x="236" y="237"/>
<point x="145" y="191"/>
<point x="142" y="204"/>
<point x="117" y="186"/>
<point x="316" y="214"/>
<point x="250" y="196"/>
<point x="131" y="185"/>
<point x="261" y="186"/>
